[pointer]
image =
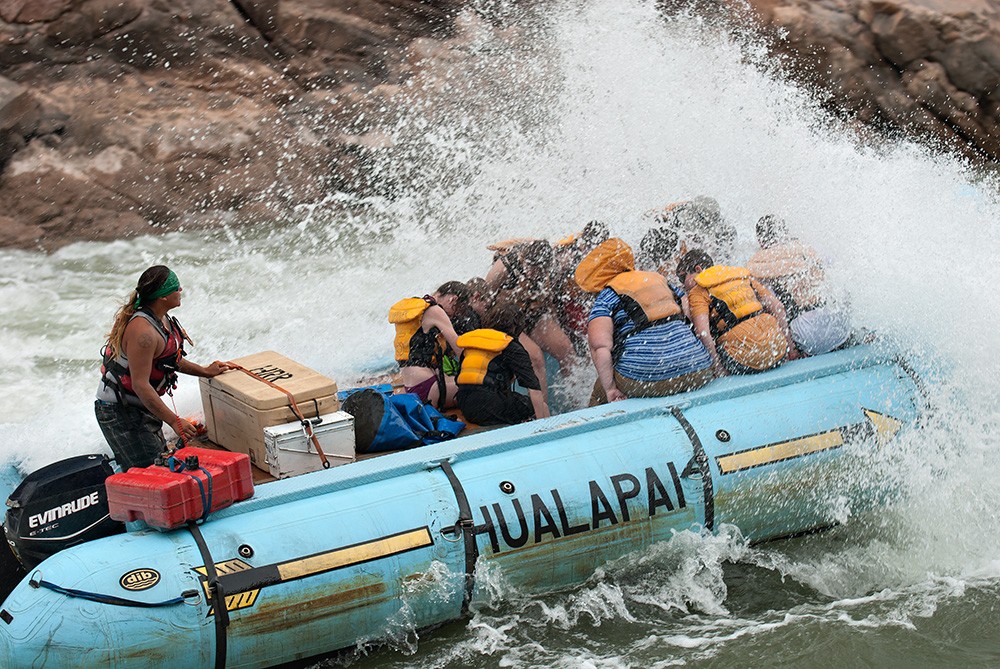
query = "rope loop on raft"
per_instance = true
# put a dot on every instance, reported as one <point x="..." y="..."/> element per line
<point x="38" y="582"/>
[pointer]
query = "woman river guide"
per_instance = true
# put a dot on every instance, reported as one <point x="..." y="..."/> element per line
<point x="144" y="352"/>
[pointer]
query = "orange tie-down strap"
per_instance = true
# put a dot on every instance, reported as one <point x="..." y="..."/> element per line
<point x="295" y="409"/>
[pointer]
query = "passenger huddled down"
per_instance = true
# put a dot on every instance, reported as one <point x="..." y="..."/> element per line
<point x="521" y="275"/>
<point x="640" y="341"/>
<point x="472" y="318"/>
<point x="571" y="304"/>
<point x="794" y="272"/>
<point x="738" y="319"/>
<point x="699" y="223"/>
<point x="425" y="338"/>
<point x="492" y="361"/>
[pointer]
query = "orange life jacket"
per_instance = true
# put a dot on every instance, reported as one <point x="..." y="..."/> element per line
<point x="646" y="298"/>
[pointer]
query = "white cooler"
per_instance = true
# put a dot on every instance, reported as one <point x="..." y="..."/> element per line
<point x="289" y="451"/>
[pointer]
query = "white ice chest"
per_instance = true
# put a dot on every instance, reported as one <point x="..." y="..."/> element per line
<point x="289" y="450"/>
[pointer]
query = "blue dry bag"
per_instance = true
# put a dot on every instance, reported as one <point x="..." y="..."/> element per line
<point x="393" y="422"/>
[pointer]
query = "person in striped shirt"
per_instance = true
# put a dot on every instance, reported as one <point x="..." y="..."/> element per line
<point x="640" y="341"/>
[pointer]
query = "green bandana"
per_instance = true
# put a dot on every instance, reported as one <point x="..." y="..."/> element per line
<point x="171" y="285"/>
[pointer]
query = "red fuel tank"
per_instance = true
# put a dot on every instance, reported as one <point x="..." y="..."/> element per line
<point x="167" y="499"/>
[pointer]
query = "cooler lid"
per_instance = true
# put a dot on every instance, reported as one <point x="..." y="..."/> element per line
<point x="304" y="383"/>
<point x="338" y="420"/>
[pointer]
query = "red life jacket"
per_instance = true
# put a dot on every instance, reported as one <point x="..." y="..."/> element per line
<point x="163" y="375"/>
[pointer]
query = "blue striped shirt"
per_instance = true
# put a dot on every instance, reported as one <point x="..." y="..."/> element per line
<point x="657" y="353"/>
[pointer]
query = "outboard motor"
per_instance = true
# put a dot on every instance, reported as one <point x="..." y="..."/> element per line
<point x="58" y="506"/>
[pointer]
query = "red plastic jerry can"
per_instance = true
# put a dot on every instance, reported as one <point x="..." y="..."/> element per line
<point x="167" y="497"/>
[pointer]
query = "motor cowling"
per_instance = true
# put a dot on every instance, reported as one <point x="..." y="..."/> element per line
<point x="58" y="506"/>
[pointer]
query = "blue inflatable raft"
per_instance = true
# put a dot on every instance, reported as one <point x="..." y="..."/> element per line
<point x="326" y="560"/>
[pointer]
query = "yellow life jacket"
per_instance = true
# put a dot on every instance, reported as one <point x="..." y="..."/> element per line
<point x="480" y="348"/>
<point x="406" y="315"/>
<point x="733" y="298"/>
<point x="794" y="272"/>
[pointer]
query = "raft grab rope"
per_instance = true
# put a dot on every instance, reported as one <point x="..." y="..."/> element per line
<point x="37" y="582"/>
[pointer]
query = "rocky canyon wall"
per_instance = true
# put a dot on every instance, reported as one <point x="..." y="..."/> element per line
<point x="124" y="117"/>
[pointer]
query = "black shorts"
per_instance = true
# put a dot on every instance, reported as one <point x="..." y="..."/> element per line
<point x="134" y="434"/>
<point x="487" y="406"/>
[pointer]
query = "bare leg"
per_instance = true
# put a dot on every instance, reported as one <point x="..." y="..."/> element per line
<point x="451" y="389"/>
<point x="537" y="361"/>
<point x="412" y="376"/>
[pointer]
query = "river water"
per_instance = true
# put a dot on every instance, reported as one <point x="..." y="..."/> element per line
<point x="606" y="110"/>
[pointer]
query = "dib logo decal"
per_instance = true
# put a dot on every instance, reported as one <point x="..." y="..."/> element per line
<point x="139" y="579"/>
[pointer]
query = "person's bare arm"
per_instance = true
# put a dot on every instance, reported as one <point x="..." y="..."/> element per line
<point x="551" y="338"/>
<point x="537" y="361"/>
<point x="217" y="367"/>
<point x="435" y="316"/>
<point x="703" y="330"/>
<point x="539" y="404"/>
<point x="600" y="338"/>
<point x="773" y="306"/>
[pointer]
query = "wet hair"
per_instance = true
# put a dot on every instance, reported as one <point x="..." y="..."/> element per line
<point x="535" y="256"/>
<point x="594" y="233"/>
<point x="456" y="288"/>
<point x="466" y="318"/>
<point x="771" y="230"/>
<point x="658" y="245"/>
<point x="476" y="284"/>
<point x="149" y="282"/>
<point x="690" y="260"/>
<point x="505" y="317"/>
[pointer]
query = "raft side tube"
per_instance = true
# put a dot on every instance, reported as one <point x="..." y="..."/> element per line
<point x="303" y="579"/>
<point x="579" y="501"/>
<point x="47" y="628"/>
<point x="577" y="422"/>
<point x="382" y="547"/>
<point x="792" y="460"/>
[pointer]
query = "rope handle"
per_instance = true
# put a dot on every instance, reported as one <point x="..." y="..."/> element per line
<point x="36" y="581"/>
<point x="306" y="423"/>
